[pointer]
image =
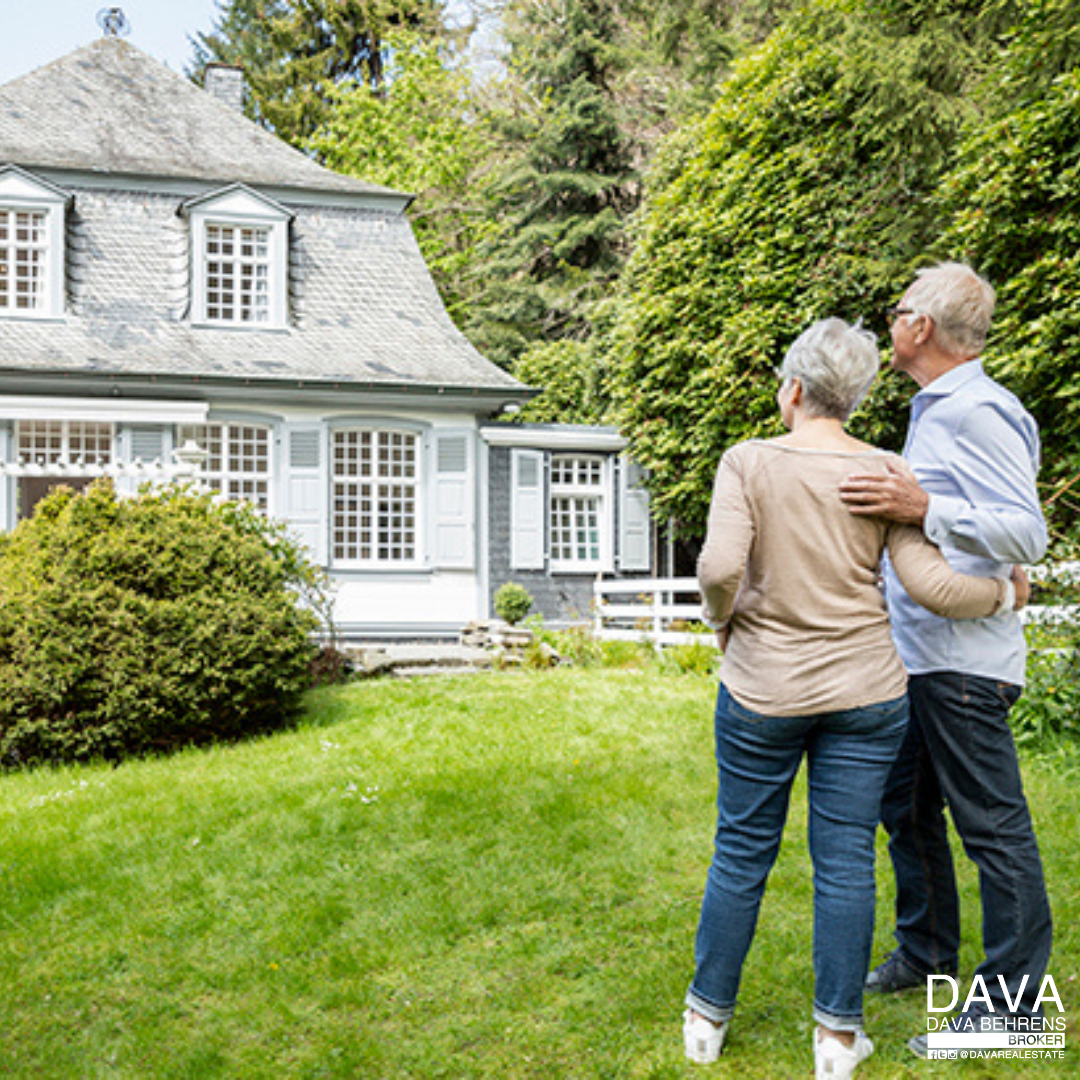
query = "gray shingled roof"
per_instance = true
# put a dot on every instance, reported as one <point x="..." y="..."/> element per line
<point x="365" y="310"/>
<point x="109" y="107"/>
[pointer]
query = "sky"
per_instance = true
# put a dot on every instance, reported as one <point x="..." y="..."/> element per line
<point x="35" y="33"/>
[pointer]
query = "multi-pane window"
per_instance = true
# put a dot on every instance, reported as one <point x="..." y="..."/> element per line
<point x="23" y="260"/>
<point x="51" y="442"/>
<point x="375" y="492"/>
<point x="577" y="511"/>
<point x="237" y="274"/>
<point x="238" y="459"/>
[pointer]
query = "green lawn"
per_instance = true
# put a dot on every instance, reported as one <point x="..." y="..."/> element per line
<point x="486" y="876"/>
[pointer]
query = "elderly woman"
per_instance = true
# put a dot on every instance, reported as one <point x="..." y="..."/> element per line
<point x="790" y="578"/>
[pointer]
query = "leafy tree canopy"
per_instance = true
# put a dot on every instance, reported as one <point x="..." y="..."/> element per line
<point x="425" y="132"/>
<point x="803" y="194"/>
<point x="1012" y="208"/>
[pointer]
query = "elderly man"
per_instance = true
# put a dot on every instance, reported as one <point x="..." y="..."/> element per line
<point x="974" y="452"/>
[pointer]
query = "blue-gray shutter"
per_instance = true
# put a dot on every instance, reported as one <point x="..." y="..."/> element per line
<point x="146" y="443"/>
<point x="303" y="485"/>
<point x="7" y="483"/>
<point x="527" y="510"/>
<point x="453" y="500"/>
<point x="635" y="526"/>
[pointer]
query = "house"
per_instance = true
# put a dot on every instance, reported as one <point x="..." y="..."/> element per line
<point x="173" y="276"/>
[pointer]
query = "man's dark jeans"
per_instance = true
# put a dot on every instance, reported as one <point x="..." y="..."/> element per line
<point x="959" y="749"/>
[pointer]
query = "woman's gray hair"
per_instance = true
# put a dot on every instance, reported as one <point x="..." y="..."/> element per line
<point x="960" y="302"/>
<point x="836" y="364"/>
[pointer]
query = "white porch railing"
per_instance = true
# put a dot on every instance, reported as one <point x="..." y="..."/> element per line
<point x="185" y="463"/>
<point x="653" y="609"/>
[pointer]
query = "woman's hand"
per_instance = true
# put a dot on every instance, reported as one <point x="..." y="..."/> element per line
<point x="1022" y="586"/>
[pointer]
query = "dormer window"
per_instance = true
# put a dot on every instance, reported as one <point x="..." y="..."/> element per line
<point x="237" y="274"/>
<point x="24" y="255"/>
<point x="31" y="246"/>
<point x="239" y="259"/>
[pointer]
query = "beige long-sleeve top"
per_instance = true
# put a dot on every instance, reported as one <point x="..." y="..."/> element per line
<point x="797" y="574"/>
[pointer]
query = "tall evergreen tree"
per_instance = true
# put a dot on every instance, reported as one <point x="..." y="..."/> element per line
<point x="295" y="51"/>
<point x="566" y="186"/>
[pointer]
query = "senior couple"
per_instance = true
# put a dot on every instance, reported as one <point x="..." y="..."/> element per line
<point x="899" y="704"/>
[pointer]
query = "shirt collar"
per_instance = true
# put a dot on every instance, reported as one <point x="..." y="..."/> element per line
<point x="952" y="380"/>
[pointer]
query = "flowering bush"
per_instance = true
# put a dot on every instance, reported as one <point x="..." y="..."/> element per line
<point x="131" y="626"/>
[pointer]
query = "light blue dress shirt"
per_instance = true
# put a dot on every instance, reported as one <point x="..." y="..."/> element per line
<point x="975" y="450"/>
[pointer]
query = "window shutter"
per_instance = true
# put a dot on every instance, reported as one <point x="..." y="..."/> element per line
<point x="527" y="510"/>
<point x="635" y="526"/>
<point x="148" y="444"/>
<point x="6" y="483"/>
<point x="453" y="517"/>
<point x="303" y="487"/>
<point x="141" y="442"/>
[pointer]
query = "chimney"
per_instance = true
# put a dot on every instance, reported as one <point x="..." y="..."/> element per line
<point x="226" y="83"/>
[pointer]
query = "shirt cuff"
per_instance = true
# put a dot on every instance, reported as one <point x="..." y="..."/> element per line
<point x="942" y="515"/>
<point x="1008" y="600"/>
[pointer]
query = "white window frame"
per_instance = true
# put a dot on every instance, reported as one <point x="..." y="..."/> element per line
<point x="226" y="442"/>
<point x="238" y="209"/>
<point x="21" y="193"/>
<point x="59" y="455"/>
<point x="376" y="546"/>
<point x="580" y="492"/>
<point x="62" y="436"/>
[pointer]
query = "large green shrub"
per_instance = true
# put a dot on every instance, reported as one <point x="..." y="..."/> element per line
<point x="132" y="626"/>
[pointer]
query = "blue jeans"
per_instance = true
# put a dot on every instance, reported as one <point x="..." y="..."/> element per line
<point x="849" y="755"/>
<point x="959" y="749"/>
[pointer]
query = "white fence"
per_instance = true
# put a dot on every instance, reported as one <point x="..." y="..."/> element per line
<point x="654" y="609"/>
<point x="1064" y="573"/>
<point x="659" y="609"/>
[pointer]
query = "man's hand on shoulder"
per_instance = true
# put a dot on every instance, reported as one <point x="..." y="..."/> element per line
<point x="897" y="495"/>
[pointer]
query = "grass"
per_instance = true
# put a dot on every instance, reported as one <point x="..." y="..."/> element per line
<point x="487" y="876"/>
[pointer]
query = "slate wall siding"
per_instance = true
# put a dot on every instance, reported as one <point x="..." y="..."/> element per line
<point x="128" y="264"/>
<point x="559" y="598"/>
<point x="364" y="307"/>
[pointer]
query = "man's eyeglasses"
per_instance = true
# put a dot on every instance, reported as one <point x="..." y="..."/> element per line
<point x="894" y="313"/>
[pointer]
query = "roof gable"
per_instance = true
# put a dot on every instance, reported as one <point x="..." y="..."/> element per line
<point x="17" y="185"/>
<point x="109" y="107"/>
<point x="237" y="200"/>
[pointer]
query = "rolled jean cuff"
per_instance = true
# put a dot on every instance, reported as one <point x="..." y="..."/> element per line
<point x="718" y="1014"/>
<point x="837" y="1023"/>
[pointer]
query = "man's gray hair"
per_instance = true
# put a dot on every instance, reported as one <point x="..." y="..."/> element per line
<point x="836" y="364"/>
<point x="960" y="302"/>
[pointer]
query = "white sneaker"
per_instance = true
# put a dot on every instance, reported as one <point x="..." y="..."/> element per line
<point x="835" y="1061"/>
<point x="703" y="1038"/>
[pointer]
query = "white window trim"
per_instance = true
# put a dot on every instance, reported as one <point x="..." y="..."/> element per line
<point x="70" y="461"/>
<point x="240" y="208"/>
<point x="420" y="485"/>
<point x="22" y="193"/>
<point x="605" y="521"/>
<point x="224" y="475"/>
